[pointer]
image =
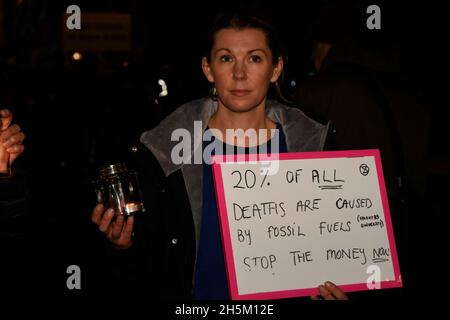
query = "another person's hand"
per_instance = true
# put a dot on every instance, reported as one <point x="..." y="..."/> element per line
<point x="118" y="230"/>
<point x="329" y="291"/>
<point x="11" y="138"/>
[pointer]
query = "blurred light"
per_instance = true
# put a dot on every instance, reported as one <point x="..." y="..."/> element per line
<point x="77" y="56"/>
<point x="163" y="85"/>
<point x="125" y="64"/>
<point x="293" y="83"/>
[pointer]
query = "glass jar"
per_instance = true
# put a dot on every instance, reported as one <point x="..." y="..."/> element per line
<point x="118" y="188"/>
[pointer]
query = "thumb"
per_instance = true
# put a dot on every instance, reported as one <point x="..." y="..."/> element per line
<point x="5" y="118"/>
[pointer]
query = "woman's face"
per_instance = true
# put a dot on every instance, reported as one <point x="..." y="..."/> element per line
<point x="241" y="68"/>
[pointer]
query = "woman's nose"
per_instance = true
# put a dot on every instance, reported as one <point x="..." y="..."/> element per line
<point x="239" y="71"/>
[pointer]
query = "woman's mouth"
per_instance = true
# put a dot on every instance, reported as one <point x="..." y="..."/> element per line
<point x="240" y="93"/>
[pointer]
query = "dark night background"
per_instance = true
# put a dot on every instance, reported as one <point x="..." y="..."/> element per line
<point x="75" y="113"/>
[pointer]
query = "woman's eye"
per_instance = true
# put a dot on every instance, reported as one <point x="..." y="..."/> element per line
<point x="226" y="58"/>
<point x="255" y="59"/>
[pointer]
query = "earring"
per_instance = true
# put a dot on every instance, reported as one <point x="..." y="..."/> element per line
<point x="214" y="95"/>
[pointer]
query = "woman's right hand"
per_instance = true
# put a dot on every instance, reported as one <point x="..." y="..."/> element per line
<point x="118" y="231"/>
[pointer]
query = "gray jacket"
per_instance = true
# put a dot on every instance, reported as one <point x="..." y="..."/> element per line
<point x="161" y="261"/>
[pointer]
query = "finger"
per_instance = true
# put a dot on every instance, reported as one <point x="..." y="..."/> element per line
<point x="128" y="230"/>
<point x="105" y="222"/>
<point x="5" y="118"/>
<point x="16" y="138"/>
<point x="315" y="298"/>
<point x="15" y="149"/>
<point x="325" y="293"/>
<point x="9" y="132"/>
<point x="117" y="227"/>
<point x="5" y="113"/>
<point x="97" y="213"/>
<point x="14" y="152"/>
<point x="336" y="291"/>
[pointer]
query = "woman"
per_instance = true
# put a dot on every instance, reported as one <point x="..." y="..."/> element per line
<point x="180" y="229"/>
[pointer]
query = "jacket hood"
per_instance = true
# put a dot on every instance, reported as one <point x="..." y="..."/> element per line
<point x="302" y="133"/>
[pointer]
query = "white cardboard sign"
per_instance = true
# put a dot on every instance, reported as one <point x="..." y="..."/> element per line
<point x="321" y="216"/>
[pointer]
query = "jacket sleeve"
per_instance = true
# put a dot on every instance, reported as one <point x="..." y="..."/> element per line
<point x="136" y="269"/>
<point x="13" y="206"/>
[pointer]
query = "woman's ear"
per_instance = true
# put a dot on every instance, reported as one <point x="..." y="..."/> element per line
<point x="277" y="70"/>
<point x="207" y="70"/>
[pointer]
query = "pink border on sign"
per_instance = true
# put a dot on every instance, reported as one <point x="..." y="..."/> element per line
<point x="225" y="228"/>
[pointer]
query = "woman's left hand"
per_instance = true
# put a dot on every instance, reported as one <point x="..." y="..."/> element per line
<point x="329" y="291"/>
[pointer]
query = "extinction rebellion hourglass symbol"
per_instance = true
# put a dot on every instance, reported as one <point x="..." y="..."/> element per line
<point x="364" y="169"/>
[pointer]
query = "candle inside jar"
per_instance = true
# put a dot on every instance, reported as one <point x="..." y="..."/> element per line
<point x="133" y="207"/>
